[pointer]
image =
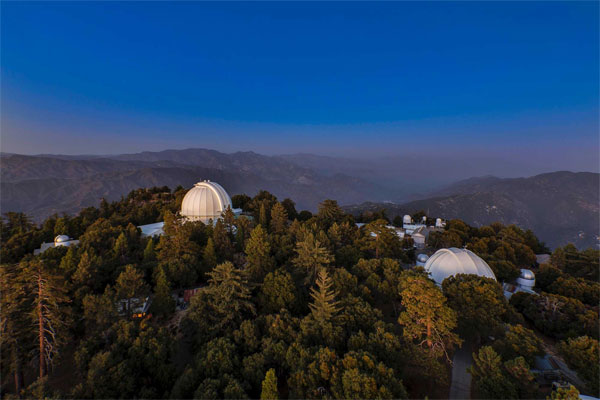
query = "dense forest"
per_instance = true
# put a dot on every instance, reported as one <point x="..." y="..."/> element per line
<point x="287" y="305"/>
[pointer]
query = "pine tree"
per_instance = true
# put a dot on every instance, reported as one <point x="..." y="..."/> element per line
<point x="324" y="305"/>
<point x="131" y="288"/>
<point x="45" y="298"/>
<point x="222" y="242"/>
<point x="149" y="253"/>
<point x="230" y="295"/>
<point x="279" y="218"/>
<point x="426" y="317"/>
<point x="163" y="303"/>
<point x="311" y="257"/>
<point x="121" y="248"/>
<point x="209" y="256"/>
<point x="269" y="386"/>
<point x="258" y="254"/>
<point x="262" y="215"/>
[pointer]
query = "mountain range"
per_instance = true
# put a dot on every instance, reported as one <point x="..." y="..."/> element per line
<point x="560" y="207"/>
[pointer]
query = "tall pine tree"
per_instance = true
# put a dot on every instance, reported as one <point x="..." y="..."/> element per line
<point x="324" y="306"/>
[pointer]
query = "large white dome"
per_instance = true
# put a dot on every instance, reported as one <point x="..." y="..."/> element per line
<point x="206" y="200"/>
<point x="453" y="261"/>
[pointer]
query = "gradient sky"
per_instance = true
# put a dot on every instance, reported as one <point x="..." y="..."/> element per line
<point x="329" y="78"/>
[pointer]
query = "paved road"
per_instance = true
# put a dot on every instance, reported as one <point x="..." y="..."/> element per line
<point x="461" y="379"/>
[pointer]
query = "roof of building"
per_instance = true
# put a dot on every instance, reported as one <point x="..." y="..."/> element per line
<point x="61" y="239"/>
<point x="422" y="257"/>
<point x="453" y="261"/>
<point x="206" y="200"/>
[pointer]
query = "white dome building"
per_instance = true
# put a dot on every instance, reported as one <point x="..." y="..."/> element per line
<point x="453" y="261"/>
<point x="60" y="240"/>
<point x="205" y="201"/>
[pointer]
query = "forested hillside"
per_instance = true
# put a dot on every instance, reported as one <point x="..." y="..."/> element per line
<point x="287" y="304"/>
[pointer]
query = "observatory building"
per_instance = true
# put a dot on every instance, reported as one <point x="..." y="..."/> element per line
<point x="205" y="202"/>
<point x="449" y="262"/>
<point x="60" y="240"/>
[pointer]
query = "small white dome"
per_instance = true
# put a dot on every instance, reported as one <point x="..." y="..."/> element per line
<point x="61" y="239"/>
<point x="527" y="274"/>
<point x="453" y="261"/>
<point x="422" y="258"/>
<point x="407" y="219"/>
<point x="206" y="200"/>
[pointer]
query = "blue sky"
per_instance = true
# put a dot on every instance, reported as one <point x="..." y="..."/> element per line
<point x="329" y="78"/>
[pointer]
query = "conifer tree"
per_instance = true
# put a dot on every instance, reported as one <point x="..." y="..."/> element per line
<point x="426" y="317"/>
<point x="163" y="303"/>
<point x="131" y="288"/>
<point x="324" y="305"/>
<point x="258" y="254"/>
<point x="279" y="218"/>
<point x="311" y="257"/>
<point x="121" y="248"/>
<point x="230" y="295"/>
<point x="45" y="297"/>
<point x="269" y="386"/>
<point x="149" y="253"/>
<point x="209" y="256"/>
<point x="222" y="242"/>
<point x="262" y="215"/>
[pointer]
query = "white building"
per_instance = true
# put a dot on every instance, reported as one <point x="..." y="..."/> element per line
<point x="205" y="202"/>
<point x="524" y="283"/>
<point x="60" y="240"/>
<point x="422" y="259"/>
<point x="449" y="262"/>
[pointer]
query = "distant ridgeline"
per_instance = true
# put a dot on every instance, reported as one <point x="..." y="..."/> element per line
<point x="247" y="297"/>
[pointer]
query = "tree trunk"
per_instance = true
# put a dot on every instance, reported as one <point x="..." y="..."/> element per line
<point x="41" y="328"/>
<point x="18" y="375"/>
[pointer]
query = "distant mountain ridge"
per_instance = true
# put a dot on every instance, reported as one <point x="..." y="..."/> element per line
<point x="560" y="207"/>
<point x="42" y="185"/>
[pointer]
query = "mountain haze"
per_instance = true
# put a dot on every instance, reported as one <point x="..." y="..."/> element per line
<point x="560" y="207"/>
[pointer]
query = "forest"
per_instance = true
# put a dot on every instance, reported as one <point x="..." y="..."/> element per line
<point x="286" y="304"/>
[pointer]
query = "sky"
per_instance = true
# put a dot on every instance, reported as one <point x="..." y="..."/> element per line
<point x="517" y="80"/>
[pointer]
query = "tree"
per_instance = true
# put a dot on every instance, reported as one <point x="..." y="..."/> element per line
<point x="290" y="208"/>
<point x="478" y="301"/>
<point x="222" y="241"/>
<point x="381" y="240"/>
<point x="131" y="288"/>
<point x="44" y="299"/>
<point x="426" y="318"/>
<point x="149" y="253"/>
<point x="324" y="305"/>
<point x="229" y="295"/>
<point x="277" y="292"/>
<point x="582" y="354"/>
<point x="565" y="393"/>
<point x="311" y="257"/>
<point x="489" y="377"/>
<point x="258" y="254"/>
<point x="269" y="386"/>
<point x="163" y="303"/>
<point x="279" y="218"/>
<point x="519" y="341"/>
<point x="209" y="256"/>
<point x="329" y="213"/>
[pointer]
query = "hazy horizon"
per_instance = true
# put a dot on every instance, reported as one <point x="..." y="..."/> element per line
<point x="349" y="80"/>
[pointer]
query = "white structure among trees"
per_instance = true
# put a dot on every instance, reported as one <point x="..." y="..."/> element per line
<point x="449" y="262"/>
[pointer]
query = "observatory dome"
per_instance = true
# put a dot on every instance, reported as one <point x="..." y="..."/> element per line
<point x="422" y="258"/>
<point x="453" y="261"/>
<point x="205" y="201"/>
<point x="61" y="239"/>
<point x="407" y="219"/>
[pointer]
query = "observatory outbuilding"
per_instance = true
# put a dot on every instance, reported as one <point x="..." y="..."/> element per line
<point x="449" y="262"/>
